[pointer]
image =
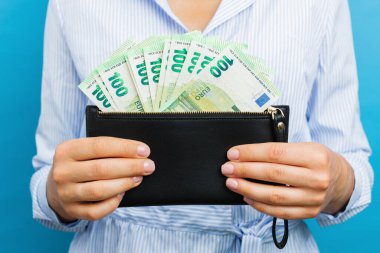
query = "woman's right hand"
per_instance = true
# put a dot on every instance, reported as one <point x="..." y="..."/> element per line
<point x="90" y="176"/>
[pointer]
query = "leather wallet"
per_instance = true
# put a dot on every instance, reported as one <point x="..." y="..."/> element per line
<point x="189" y="149"/>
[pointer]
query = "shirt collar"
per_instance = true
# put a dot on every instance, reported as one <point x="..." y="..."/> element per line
<point x="227" y="9"/>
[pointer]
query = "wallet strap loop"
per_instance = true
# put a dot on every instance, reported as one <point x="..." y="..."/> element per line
<point x="279" y="126"/>
<point x="284" y="239"/>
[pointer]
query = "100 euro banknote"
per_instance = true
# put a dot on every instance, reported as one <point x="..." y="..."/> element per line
<point x="228" y="83"/>
<point x="181" y="72"/>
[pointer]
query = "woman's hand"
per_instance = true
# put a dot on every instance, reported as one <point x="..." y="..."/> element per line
<point x="89" y="176"/>
<point x="319" y="180"/>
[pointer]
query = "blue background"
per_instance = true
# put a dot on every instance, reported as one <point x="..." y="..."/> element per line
<point x="21" y="40"/>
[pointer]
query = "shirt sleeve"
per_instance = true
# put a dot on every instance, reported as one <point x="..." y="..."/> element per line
<point x="333" y="110"/>
<point x="61" y="118"/>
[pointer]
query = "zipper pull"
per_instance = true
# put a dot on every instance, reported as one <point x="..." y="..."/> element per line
<point x="274" y="110"/>
<point x="279" y="125"/>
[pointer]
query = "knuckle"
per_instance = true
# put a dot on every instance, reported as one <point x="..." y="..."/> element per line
<point x="323" y="158"/>
<point x="323" y="182"/>
<point x="275" y="173"/>
<point x="60" y="151"/>
<point x="249" y="148"/>
<point x="62" y="194"/>
<point x="283" y="213"/>
<point x="95" y="193"/>
<point x="130" y="146"/>
<point x="319" y="199"/>
<point x="276" y="197"/>
<point x="71" y="210"/>
<point x="99" y="146"/>
<point x="260" y="207"/>
<point x="313" y="212"/>
<point x="92" y="214"/>
<point x="239" y="170"/>
<point x="58" y="175"/>
<point x="276" y="151"/>
<point x="136" y="166"/>
<point x="114" y="203"/>
<point x="101" y="169"/>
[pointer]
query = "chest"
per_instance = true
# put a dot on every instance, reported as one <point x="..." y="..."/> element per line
<point x="194" y="14"/>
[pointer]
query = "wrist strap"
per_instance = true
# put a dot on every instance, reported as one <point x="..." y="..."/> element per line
<point x="284" y="239"/>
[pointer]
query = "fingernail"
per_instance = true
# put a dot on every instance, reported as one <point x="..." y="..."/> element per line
<point x="121" y="195"/>
<point x="137" y="179"/>
<point x="249" y="201"/>
<point x="232" y="183"/>
<point x="149" y="166"/>
<point x="233" y="154"/>
<point x="227" y="169"/>
<point x="143" y="151"/>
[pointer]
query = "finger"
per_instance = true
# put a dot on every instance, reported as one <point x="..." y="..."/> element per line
<point x="275" y="195"/>
<point x="298" y="154"/>
<point x="285" y="212"/>
<point x="104" y="147"/>
<point x="270" y="172"/>
<point x="100" y="190"/>
<point x="110" y="168"/>
<point x="97" y="210"/>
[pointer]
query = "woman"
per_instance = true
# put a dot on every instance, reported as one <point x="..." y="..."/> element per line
<point x="79" y="182"/>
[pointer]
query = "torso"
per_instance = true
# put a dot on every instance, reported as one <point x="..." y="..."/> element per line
<point x="285" y="34"/>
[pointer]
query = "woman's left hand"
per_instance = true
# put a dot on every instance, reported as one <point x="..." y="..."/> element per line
<point x="318" y="179"/>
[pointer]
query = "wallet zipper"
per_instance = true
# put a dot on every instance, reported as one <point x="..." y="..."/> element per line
<point x="269" y="111"/>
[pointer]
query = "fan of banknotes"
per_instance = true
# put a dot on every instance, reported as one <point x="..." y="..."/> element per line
<point x="180" y="73"/>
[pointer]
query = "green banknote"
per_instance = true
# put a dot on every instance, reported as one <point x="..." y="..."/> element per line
<point x="181" y="72"/>
<point x="177" y="55"/>
<point x="201" y="96"/>
<point x="161" y="81"/>
<point x="95" y="81"/>
<point x="218" y="88"/>
<point x="119" y="82"/>
<point x="138" y="70"/>
<point x="153" y="62"/>
<point x="194" y="53"/>
<point x="93" y="90"/>
<point x="200" y="54"/>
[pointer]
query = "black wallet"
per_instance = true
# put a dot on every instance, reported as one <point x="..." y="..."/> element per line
<point x="189" y="149"/>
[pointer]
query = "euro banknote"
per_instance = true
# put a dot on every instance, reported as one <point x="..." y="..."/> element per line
<point x="217" y="88"/>
<point x="181" y="72"/>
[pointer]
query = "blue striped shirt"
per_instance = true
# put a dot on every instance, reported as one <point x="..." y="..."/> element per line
<point x="308" y="44"/>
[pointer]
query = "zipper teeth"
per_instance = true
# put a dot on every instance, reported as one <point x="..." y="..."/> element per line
<point x="266" y="112"/>
<point x="269" y="111"/>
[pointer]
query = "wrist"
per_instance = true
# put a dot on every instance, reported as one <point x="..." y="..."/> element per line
<point x="343" y="187"/>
